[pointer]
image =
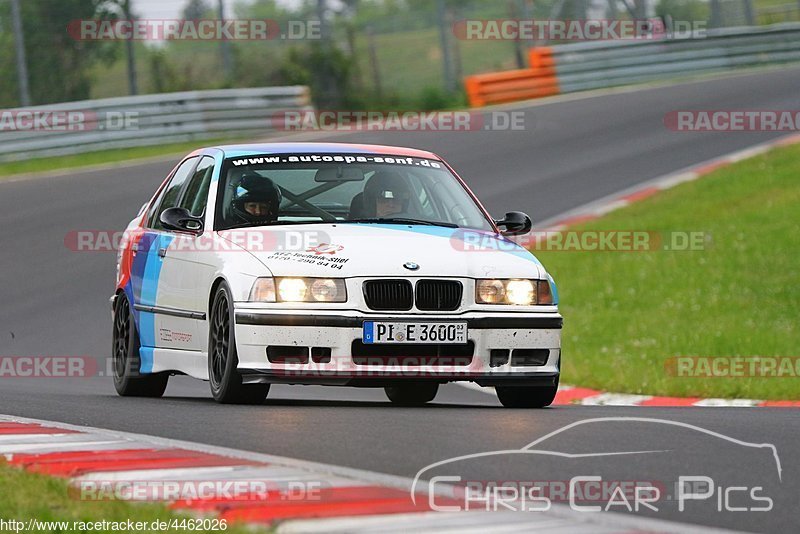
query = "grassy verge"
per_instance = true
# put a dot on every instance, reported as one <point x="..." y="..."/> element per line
<point x="627" y="313"/>
<point x="25" y="496"/>
<point x="55" y="163"/>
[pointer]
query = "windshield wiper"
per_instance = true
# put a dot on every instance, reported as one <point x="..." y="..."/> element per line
<point x="401" y="220"/>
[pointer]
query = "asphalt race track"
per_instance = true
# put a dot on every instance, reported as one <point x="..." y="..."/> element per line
<point x="54" y="301"/>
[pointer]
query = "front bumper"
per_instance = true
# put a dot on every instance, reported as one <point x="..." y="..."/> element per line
<point x="342" y="331"/>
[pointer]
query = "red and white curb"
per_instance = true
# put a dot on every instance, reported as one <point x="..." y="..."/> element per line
<point x="592" y="397"/>
<point x="347" y="500"/>
<point x="598" y="208"/>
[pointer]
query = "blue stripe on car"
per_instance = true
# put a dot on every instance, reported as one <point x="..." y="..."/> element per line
<point x="145" y="273"/>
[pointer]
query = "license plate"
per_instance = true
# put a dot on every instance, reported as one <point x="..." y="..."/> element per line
<point x="389" y="332"/>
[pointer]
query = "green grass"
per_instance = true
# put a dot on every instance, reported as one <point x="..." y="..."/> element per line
<point x="25" y="496"/>
<point x="55" y="163"/>
<point x="627" y="313"/>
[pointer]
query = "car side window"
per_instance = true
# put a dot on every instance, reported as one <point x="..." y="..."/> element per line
<point x="169" y="195"/>
<point x="196" y="195"/>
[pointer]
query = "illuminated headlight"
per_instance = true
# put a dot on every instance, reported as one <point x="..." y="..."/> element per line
<point x="292" y="289"/>
<point x="298" y="290"/>
<point x="520" y="292"/>
<point x="514" y="292"/>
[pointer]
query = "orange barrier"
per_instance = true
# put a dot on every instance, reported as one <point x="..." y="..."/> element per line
<point x="497" y="87"/>
<point x="541" y="59"/>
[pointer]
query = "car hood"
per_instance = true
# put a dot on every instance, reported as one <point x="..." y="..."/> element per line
<point x="352" y="250"/>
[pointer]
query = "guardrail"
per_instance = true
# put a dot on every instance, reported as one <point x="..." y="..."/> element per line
<point x="144" y="120"/>
<point x="497" y="87"/>
<point x="600" y="64"/>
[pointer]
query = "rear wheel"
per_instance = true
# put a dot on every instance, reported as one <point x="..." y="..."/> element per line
<point x="128" y="380"/>
<point x="412" y="394"/>
<point x="226" y="382"/>
<point x="527" y="396"/>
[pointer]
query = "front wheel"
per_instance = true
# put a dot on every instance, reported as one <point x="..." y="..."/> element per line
<point x="226" y="382"/>
<point x="412" y="394"/>
<point x="128" y="380"/>
<point x="527" y="396"/>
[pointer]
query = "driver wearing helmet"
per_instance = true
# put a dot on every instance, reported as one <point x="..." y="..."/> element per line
<point x="257" y="200"/>
<point x="386" y="194"/>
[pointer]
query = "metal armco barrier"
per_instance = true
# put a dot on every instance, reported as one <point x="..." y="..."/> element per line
<point x="600" y="64"/>
<point x="144" y="120"/>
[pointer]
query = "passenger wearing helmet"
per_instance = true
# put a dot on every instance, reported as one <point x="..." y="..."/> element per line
<point x="386" y="194"/>
<point x="257" y="200"/>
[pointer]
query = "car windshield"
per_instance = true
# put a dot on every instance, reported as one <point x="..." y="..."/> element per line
<point x="343" y="188"/>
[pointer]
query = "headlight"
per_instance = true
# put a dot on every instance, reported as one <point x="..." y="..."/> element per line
<point x="298" y="290"/>
<point x="263" y="290"/>
<point x="327" y="290"/>
<point x="292" y="289"/>
<point x="520" y="292"/>
<point x="490" y="292"/>
<point x="517" y="292"/>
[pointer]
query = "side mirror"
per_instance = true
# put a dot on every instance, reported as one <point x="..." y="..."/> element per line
<point x="181" y="220"/>
<point x="515" y="223"/>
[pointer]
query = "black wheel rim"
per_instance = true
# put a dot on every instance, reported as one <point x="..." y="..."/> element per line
<point x="121" y="336"/>
<point x="220" y="334"/>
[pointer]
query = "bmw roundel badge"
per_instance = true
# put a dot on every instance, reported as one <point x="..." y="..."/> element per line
<point x="411" y="266"/>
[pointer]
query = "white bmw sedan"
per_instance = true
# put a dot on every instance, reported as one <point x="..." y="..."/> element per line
<point x="333" y="264"/>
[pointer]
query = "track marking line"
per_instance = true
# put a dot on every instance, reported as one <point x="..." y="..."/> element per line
<point x="60" y="446"/>
<point x="614" y="399"/>
<point x="728" y="402"/>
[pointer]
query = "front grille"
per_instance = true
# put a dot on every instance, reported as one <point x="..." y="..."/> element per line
<point x="438" y="295"/>
<point x="388" y="294"/>
<point x="412" y="355"/>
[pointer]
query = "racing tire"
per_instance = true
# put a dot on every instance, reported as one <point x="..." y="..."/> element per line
<point x="128" y="380"/>
<point x="225" y="380"/>
<point x="412" y="394"/>
<point x="527" y="396"/>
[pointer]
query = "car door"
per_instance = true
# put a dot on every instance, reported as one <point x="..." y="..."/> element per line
<point x="148" y="262"/>
<point x="184" y="271"/>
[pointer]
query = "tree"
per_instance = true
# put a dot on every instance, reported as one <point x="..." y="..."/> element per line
<point x="122" y="9"/>
<point x="58" y="64"/>
<point x="198" y="9"/>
